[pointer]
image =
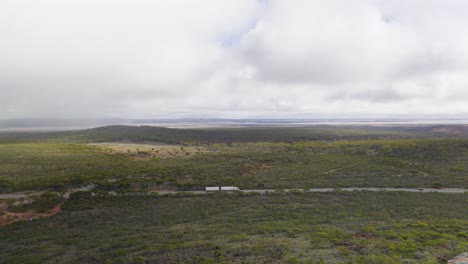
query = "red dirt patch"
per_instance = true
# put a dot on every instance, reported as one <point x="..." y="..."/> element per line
<point x="7" y="217"/>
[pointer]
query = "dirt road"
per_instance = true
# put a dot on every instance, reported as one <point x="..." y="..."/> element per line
<point x="262" y="191"/>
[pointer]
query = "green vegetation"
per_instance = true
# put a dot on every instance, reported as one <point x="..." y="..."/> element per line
<point x="40" y="204"/>
<point x="336" y="227"/>
<point x="345" y="163"/>
<point x="295" y="227"/>
<point x="245" y="134"/>
<point x="45" y="165"/>
<point x="227" y="135"/>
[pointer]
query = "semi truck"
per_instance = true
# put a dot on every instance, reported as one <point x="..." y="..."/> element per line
<point x="222" y="188"/>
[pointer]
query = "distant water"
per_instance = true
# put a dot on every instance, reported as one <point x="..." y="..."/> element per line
<point x="211" y="123"/>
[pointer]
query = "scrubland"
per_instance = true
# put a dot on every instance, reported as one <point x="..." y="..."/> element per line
<point x="334" y="227"/>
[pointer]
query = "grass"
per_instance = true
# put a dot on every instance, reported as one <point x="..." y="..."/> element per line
<point x="334" y="227"/>
<point x="46" y="165"/>
<point x="337" y="227"/>
<point x="245" y="134"/>
<point x="344" y="163"/>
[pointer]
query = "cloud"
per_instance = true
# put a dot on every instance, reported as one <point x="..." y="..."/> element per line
<point x="232" y="57"/>
<point x="384" y="95"/>
<point x="312" y="41"/>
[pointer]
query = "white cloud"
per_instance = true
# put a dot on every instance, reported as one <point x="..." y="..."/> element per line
<point x="233" y="57"/>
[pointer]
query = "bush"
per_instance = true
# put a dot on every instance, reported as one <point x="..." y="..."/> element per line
<point x="375" y="259"/>
<point x="6" y="185"/>
<point x="81" y="195"/>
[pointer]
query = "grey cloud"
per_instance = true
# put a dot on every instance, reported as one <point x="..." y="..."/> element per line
<point x="143" y="58"/>
<point x="431" y="62"/>
<point x="382" y="95"/>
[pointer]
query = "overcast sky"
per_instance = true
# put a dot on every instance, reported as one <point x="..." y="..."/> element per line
<point x="232" y="58"/>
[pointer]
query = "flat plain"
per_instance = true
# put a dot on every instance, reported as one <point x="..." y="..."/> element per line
<point x="297" y="227"/>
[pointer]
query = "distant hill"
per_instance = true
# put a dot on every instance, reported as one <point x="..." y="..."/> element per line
<point x="226" y="135"/>
<point x="246" y="134"/>
<point x="450" y="130"/>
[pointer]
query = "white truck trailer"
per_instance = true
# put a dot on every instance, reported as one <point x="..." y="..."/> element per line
<point x="222" y="188"/>
<point x="229" y="188"/>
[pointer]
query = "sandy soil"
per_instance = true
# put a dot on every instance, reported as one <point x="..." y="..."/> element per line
<point x="150" y="150"/>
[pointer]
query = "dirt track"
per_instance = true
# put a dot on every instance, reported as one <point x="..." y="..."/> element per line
<point x="7" y="217"/>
